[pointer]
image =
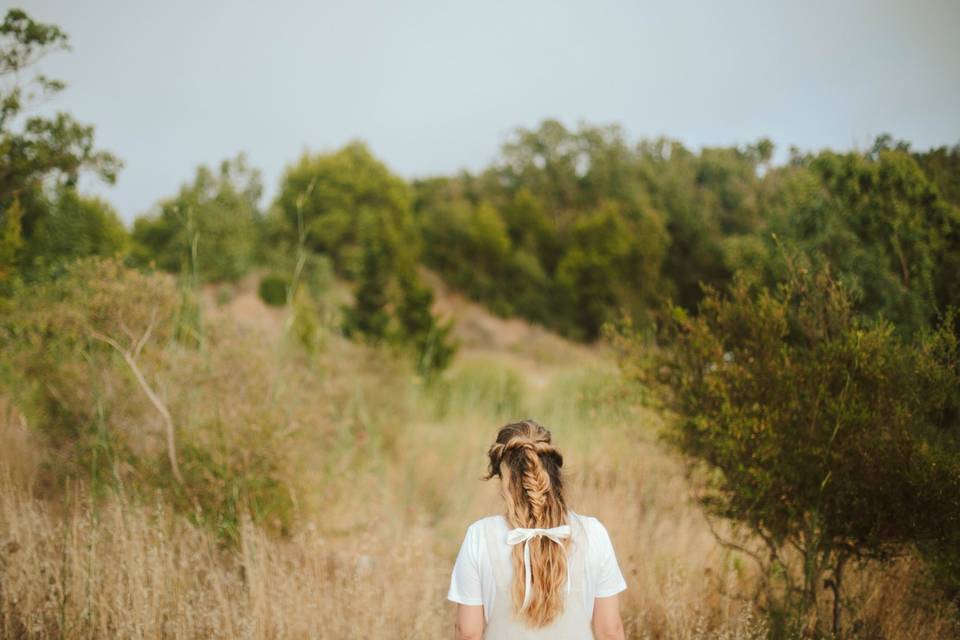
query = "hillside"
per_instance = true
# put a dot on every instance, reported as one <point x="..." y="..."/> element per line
<point x="384" y="476"/>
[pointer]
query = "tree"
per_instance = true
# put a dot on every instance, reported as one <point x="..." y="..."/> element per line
<point x="332" y="193"/>
<point x="830" y="438"/>
<point x="57" y="148"/>
<point x="391" y="306"/>
<point x="40" y="155"/>
<point x="711" y="206"/>
<point x="210" y="226"/>
<point x="369" y="318"/>
<point x="75" y="226"/>
<point x="882" y="226"/>
<point x="611" y="264"/>
<point x="942" y="166"/>
<point x="431" y="342"/>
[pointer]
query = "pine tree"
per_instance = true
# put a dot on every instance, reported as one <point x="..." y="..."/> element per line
<point x="430" y="340"/>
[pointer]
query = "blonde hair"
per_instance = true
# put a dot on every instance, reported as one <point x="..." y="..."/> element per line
<point x="529" y="468"/>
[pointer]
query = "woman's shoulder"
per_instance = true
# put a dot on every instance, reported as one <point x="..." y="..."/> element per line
<point x="495" y="519"/>
<point x="587" y="521"/>
<point x="593" y="527"/>
<point x="477" y="527"/>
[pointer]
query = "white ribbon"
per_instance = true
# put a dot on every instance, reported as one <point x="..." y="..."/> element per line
<point x="518" y="535"/>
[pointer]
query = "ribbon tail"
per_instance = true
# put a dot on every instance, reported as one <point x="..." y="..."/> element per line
<point x="528" y="575"/>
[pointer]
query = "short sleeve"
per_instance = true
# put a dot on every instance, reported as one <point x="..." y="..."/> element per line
<point x="465" y="580"/>
<point x="609" y="580"/>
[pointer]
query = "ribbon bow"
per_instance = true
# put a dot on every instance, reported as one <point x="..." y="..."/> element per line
<point x="518" y="535"/>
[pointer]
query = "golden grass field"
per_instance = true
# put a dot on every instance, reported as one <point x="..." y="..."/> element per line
<point x="388" y="476"/>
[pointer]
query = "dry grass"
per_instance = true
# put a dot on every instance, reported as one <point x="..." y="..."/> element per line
<point x="390" y="476"/>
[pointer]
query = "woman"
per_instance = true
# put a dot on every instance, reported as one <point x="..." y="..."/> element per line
<point x="542" y="571"/>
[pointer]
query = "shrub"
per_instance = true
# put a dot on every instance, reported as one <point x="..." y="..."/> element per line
<point x="209" y="229"/>
<point x="820" y="432"/>
<point x="273" y="290"/>
<point x="430" y="340"/>
<point x="91" y="360"/>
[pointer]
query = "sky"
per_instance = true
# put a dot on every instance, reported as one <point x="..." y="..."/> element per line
<point x="435" y="87"/>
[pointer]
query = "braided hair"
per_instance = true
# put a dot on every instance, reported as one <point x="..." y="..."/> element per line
<point x="528" y="465"/>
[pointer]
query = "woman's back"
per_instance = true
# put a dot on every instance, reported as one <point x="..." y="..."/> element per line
<point x="537" y="571"/>
<point x="483" y="574"/>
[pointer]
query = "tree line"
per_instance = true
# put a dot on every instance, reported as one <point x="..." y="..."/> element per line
<point x="570" y="228"/>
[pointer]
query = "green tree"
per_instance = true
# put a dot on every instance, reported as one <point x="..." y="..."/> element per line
<point x="210" y="226"/>
<point x="882" y="226"/>
<point x="76" y="226"/>
<point x="832" y="439"/>
<point x="612" y="264"/>
<point x="332" y="192"/>
<point x="590" y="270"/>
<point x="391" y="306"/>
<point x="942" y="166"/>
<point x="712" y="207"/>
<point x="57" y="148"/>
<point x="530" y="228"/>
<point x="431" y="341"/>
<point x="520" y="236"/>
<point x="369" y="316"/>
<point x="40" y="156"/>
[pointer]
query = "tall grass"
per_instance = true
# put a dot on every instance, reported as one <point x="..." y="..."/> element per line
<point x="383" y="476"/>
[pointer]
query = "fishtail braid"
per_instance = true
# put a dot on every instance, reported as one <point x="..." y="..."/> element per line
<point x="528" y="464"/>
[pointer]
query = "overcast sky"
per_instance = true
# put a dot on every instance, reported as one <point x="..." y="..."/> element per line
<point x="436" y="86"/>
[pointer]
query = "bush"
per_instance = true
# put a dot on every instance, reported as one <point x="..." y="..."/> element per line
<point x="209" y="229"/>
<point x="430" y="340"/>
<point x="91" y="360"/>
<point x="273" y="290"/>
<point x="67" y="345"/>
<point x="818" y="431"/>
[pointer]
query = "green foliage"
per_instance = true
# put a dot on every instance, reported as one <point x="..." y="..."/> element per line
<point x="80" y="356"/>
<point x="819" y="431"/>
<point x="331" y="195"/>
<point x="601" y="270"/>
<point x="705" y="200"/>
<point x="458" y="238"/>
<point x="45" y="155"/>
<point x="942" y="166"/>
<point x="57" y="148"/>
<point x="59" y="368"/>
<point x="391" y="306"/>
<point x="530" y="236"/>
<point x="209" y="229"/>
<point x="11" y="240"/>
<point x="369" y="316"/>
<point x="75" y="227"/>
<point x="571" y="228"/>
<point x="227" y="485"/>
<point x="348" y="206"/>
<point x="881" y="225"/>
<point x="43" y="149"/>
<point x="430" y="340"/>
<point x="307" y="324"/>
<point x="273" y="290"/>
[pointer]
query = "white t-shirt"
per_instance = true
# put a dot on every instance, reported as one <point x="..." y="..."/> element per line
<point x="473" y="583"/>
